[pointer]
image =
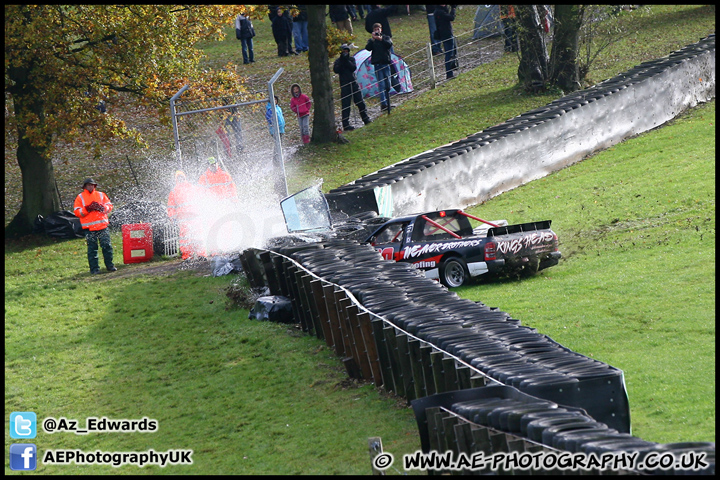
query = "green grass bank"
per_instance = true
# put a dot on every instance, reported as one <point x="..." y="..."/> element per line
<point x="635" y="290"/>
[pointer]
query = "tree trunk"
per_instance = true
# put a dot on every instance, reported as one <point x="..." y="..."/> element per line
<point x="324" y="119"/>
<point x="564" y="71"/>
<point x="38" y="176"/>
<point x="533" y="69"/>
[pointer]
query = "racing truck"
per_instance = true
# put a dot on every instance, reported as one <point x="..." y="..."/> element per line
<point x="445" y="245"/>
<point x="442" y="243"/>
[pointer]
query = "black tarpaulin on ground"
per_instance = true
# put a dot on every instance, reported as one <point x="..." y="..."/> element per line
<point x="225" y="265"/>
<point x="273" y="308"/>
<point x="62" y="224"/>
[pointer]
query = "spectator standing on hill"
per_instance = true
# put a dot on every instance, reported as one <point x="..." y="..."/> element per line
<point x="444" y="33"/>
<point x="361" y="9"/>
<point x="380" y="15"/>
<point x="282" y="33"/>
<point x="353" y="13"/>
<point x="345" y="67"/>
<point x="430" y="12"/>
<point x="340" y="15"/>
<point x="287" y="15"/>
<point x="269" y="117"/>
<point x="380" y="46"/>
<point x="300" y="29"/>
<point x="507" y="15"/>
<point x="245" y="32"/>
<point x="300" y="104"/>
<point x="92" y="208"/>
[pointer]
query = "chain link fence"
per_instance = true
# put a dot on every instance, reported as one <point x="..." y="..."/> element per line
<point x="427" y="70"/>
<point x="233" y="129"/>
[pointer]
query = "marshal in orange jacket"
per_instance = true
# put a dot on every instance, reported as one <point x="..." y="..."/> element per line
<point x="92" y="220"/>
<point x="180" y="204"/>
<point x="219" y="183"/>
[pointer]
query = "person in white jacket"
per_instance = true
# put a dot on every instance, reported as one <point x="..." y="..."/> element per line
<point x="245" y="32"/>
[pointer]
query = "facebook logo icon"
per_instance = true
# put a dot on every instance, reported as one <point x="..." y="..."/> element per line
<point x="23" y="425"/>
<point x="23" y="456"/>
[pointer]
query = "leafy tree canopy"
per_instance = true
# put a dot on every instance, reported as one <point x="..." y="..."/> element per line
<point x="61" y="60"/>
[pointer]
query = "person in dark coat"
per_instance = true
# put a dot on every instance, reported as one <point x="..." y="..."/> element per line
<point x="509" y="20"/>
<point x="379" y="15"/>
<point x="282" y="33"/>
<point x="444" y="33"/>
<point x="380" y="46"/>
<point x="245" y="33"/>
<point x="430" y="12"/>
<point x="345" y="67"/>
<point x="300" y="29"/>
<point x="340" y="15"/>
<point x="289" y="20"/>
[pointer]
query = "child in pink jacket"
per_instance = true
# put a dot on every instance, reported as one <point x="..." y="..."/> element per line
<point x="301" y="104"/>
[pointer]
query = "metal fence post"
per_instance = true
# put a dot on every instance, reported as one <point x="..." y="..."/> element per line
<point x="174" y="122"/>
<point x="431" y="65"/>
<point x="278" y="144"/>
<point x="375" y="447"/>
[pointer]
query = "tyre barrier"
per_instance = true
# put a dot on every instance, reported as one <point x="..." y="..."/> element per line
<point x="501" y="419"/>
<point x="477" y="379"/>
<point x="394" y="327"/>
<point x="540" y="141"/>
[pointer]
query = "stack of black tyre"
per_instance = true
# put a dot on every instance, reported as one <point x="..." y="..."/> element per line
<point x="489" y="340"/>
<point x="499" y="419"/>
<point x="538" y="391"/>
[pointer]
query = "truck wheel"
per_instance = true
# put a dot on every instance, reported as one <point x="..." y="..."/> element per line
<point x="453" y="272"/>
<point x="531" y="267"/>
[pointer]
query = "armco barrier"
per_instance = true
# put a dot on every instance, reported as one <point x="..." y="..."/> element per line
<point x="538" y="142"/>
<point x="477" y="379"/>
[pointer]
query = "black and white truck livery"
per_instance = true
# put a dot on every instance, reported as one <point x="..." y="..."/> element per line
<point x="445" y="245"/>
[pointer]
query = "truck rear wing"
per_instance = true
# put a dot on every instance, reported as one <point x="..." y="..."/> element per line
<point x="482" y="229"/>
<point x="519" y="228"/>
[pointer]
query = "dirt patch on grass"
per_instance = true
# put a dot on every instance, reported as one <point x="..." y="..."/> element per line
<point x="157" y="268"/>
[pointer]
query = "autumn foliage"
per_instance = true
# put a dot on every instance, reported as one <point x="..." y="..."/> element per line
<point x="73" y="56"/>
<point x="62" y="60"/>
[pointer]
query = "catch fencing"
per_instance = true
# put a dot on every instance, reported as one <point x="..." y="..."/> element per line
<point x="234" y="129"/>
<point x="427" y="70"/>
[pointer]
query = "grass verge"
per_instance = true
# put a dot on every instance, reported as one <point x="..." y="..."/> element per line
<point x="255" y="398"/>
<point x="636" y="287"/>
<point x="248" y="397"/>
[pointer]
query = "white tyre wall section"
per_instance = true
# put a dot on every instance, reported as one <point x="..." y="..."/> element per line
<point x="541" y="141"/>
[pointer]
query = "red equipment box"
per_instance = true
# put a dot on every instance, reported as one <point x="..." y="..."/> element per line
<point x="137" y="242"/>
